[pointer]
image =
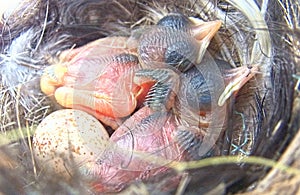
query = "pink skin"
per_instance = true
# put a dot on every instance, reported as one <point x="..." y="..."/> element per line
<point x="140" y="149"/>
<point x="97" y="78"/>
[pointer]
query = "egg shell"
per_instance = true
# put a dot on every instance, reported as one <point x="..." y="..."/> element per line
<point x="68" y="141"/>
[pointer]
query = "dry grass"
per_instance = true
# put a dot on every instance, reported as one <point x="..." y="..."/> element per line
<point x="268" y="104"/>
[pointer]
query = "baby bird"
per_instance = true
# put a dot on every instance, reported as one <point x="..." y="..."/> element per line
<point x="140" y="149"/>
<point x="176" y="41"/>
<point x="169" y="49"/>
<point x="104" y="79"/>
<point x="96" y="78"/>
<point x="111" y="78"/>
<point x="143" y="147"/>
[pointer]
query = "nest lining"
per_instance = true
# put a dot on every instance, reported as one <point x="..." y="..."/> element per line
<point x="49" y="27"/>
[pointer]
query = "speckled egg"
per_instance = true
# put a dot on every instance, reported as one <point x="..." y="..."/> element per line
<point x="68" y="141"/>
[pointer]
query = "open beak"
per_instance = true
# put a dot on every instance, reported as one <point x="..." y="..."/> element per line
<point x="203" y="32"/>
<point x="236" y="79"/>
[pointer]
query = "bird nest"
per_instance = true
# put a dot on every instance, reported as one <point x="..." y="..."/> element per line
<point x="262" y="119"/>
